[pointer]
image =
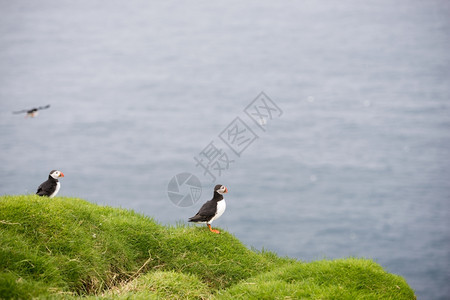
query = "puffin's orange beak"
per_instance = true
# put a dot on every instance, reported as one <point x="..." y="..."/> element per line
<point x="226" y="191"/>
<point x="61" y="175"/>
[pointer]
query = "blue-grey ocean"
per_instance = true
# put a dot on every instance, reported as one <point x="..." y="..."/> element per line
<point x="350" y="157"/>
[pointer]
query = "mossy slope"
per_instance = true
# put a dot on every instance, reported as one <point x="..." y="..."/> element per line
<point x="68" y="247"/>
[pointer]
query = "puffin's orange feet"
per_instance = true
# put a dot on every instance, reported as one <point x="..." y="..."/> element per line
<point x="212" y="230"/>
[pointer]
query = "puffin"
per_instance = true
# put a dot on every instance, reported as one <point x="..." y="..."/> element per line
<point x="212" y="209"/>
<point x="31" y="112"/>
<point x="50" y="187"/>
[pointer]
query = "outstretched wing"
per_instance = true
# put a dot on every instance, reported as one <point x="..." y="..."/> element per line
<point x="44" y="107"/>
<point x="206" y="212"/>
<point x="20" y="111"/>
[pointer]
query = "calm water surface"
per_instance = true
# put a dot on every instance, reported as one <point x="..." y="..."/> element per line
<point x="357" y="164"/>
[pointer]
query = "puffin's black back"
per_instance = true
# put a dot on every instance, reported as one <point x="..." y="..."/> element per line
<point x="209" y="209"/>
<point x="47" y="187"/>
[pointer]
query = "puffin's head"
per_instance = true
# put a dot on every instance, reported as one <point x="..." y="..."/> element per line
<point x="56" y="174"/>
<point x="221" y="189"/>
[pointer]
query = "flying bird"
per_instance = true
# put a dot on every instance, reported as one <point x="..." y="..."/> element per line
<point x="31" y="112"/>
<point x="50" y="187"/>
<point x="212" y="209"/>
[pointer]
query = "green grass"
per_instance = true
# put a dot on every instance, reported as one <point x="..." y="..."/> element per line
<point x="70" y="248"/>
<point x="336" y="279"/>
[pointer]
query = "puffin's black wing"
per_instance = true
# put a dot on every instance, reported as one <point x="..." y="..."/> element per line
<point x="46" y="188"/>
<point x="206" y="212"/>
<point x="44" y="107"/>
<point x="21" y="111"/>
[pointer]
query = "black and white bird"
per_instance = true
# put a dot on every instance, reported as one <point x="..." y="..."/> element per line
<point x="212" y="209"/>
<point x="31" y="112"/>
<point x="50" y="187"/>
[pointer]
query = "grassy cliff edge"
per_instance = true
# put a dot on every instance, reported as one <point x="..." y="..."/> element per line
<point x="69" y="248"/>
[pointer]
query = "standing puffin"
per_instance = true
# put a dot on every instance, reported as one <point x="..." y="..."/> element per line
<point x="212" y="209"/>
<point x="50" y="187"/>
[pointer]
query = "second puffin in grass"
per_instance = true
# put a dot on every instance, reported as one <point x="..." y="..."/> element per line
<point x="212" y="209"/>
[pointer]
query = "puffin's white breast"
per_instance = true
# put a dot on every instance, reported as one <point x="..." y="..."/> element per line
<point x="58" y="186"/>
<point x="221" y="206"/>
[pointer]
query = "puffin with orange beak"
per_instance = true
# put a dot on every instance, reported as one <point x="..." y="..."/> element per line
<point x="50" y="187"/>
<point x="212" y="209"/>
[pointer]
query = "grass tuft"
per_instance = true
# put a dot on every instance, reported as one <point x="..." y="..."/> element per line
<point x="349" y="278"/>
